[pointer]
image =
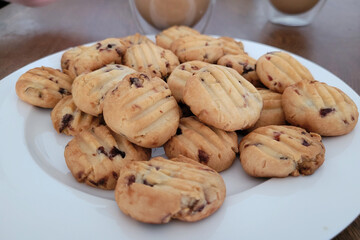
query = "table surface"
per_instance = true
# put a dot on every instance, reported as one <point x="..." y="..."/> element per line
<point x="332" y="40"/>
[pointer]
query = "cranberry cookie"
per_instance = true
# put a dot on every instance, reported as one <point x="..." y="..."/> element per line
<point x="43" y="87"/>
<point x="281" y="151"/>
<point x="84" y="59"/>
<point x="69" y="119"/>
<point x="135" y="39"/>
<point x="272" y="112"/>
<point x="159" y="190"/>
<point x="152" y="59"/>
<point x="221" y="97"/>
<point x="244" y="65"/>
<point x="95" y="156"/>
<point x="208" y="145"/>
<point x="89" y="89"/>
<point x="231" y="46"/>
<point x="278" y="70"/>
<point x="180" y="75"/>
<point x="198" y="47"/>
<point x="319" y="108"/>
<point x="165" y="38"/>
<point x="142" y="109"/>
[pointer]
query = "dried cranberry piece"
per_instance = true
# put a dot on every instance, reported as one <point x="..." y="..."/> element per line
<point x="131" y="179"/>
<point x="65" y="121"/>
<point x="325" y="111"/>
<point x="101" y="150"/>
<point x="203" y="156"/>
<point x="115" y="151"/>
<point x="305" y="143"/>
<point x="135" y="81"/>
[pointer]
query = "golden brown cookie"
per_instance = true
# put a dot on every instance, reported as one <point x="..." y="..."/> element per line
<point x="152" y="59"/>
<point x="207" y="145"/>
<point x="95" y="156"/>
<point x="89" y="89"/>
<point x="319" y="108"/>
<point x="198" y="47"/>
<point x="244" y="65"/>
<point x="135" y="39"/>
<point x="83" y="59"/>
<point x="159" y="190"/>
<point x="69" y="119"/>
<point x="142" y="109"/>
<point x="180" y="75"/>
<point x="281" y="151"/>
<point x="221" y="97"/>
<point x="165" y="38"/>
<point x="43" y="87"/>
<point x="231" y="46"/>
<point x="278" y="70"/>
<point x="272" y="112"/>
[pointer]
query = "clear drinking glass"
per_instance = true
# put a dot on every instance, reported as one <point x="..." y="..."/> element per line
<point x="152" y="16"/>
<point x="293" y="12"/>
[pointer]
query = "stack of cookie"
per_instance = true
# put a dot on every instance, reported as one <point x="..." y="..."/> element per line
<point x="193" y="95"/>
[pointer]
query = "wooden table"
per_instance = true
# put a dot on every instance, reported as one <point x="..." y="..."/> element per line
<point x="332" y="40"/>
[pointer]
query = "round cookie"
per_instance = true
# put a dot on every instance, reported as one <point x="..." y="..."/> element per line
<point x="43" y="87"/>
<point x="278" y="70"/>
<point x="89" y="89"/>
<point x="221" y="97"/>
<point x="135" y="39"/>
<point x="230" y="46"/>
<point x="95" y="156"/>
<point x="208" y="145"/>
<point x="281" y="151"/>
<point x="180" y="75"/>
<point x="82" y="59"/>
<point x="198" y="47"/>
<point x="244" y="65"/>
<point x="69" y="119"/>
<point x="272" y="112"/>
<point x="165" y="38"/>
<point x="152" y="59"/>
<point x="159" y="190"/>
<point x="319" y="108"/>
<point x="142" y="109"/>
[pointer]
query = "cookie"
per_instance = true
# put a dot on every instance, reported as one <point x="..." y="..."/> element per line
<point x="281" y="151"/>
<point x="179" y="76"/>
<point x="135" y="39"/>
<point x="278" y="70"/>
<point x="142" y="109"/>
<point x="272" y="112"/>
<point x="43" y="87"/>
<point x="231" y="46"/>
<point x="319" y="108"/>
<point x="221" y="97"/>
<point x="207" y="145"/>
<point x="165" y="38"/>
<point x="69" y="119"/>
<point x="198" y="47"/>
<point x="89" y="89"/>
<point x="95" y="156"/>
<point x="159" y="190"/>
<point x="244" y="65"/>
<point x="83" y="59"/>
<point x="152" y="59"/>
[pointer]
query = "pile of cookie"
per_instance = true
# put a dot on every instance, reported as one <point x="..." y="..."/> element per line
<point x="193" y="95"/>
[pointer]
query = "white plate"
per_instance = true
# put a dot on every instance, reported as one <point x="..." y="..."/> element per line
<point x="41" y="200"/>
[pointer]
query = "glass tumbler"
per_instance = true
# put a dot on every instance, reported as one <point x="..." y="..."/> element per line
<point x="293" y="12"/>
<point x="152" y="16"/>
